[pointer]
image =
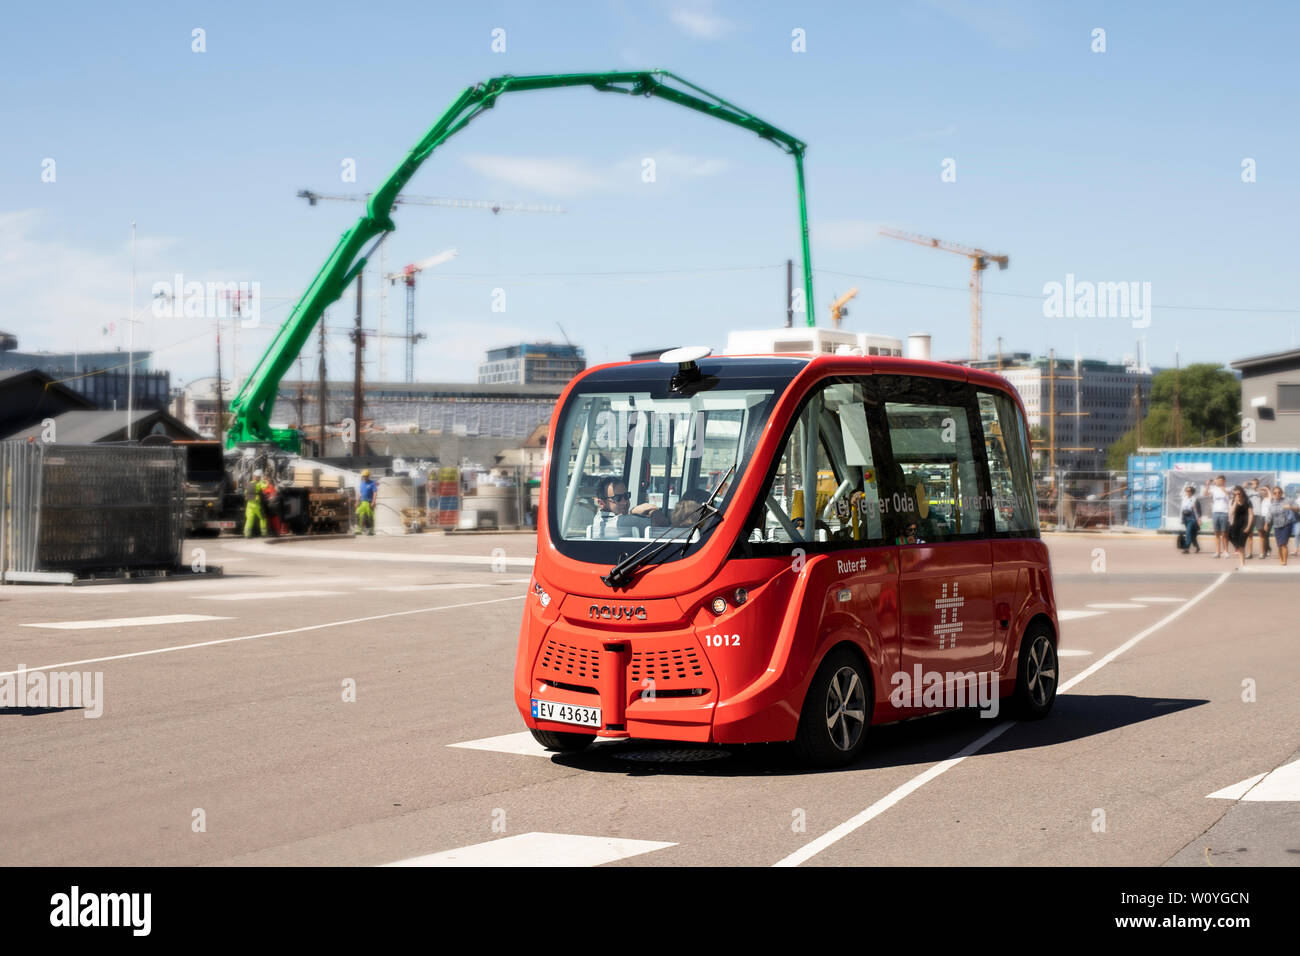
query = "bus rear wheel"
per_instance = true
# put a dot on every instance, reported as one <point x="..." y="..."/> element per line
<point x="1036" y="678"/>
<point x="561" y="742"/>
<point x="836" y="712"/>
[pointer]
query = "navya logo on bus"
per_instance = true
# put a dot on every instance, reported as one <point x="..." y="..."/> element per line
<point x="617" y="612"/>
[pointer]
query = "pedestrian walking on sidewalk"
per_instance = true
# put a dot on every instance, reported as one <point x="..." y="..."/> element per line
<point x="1252" y="497"/>
<point x="1264" y="519"/>
<point x="1219" y="500"/>
<point x="1191" y="519"/>
<point x="1240" y="522"/>
<point x="1284" y="522"/>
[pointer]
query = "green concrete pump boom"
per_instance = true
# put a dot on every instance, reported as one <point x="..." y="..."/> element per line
<point x="251" y="408"/>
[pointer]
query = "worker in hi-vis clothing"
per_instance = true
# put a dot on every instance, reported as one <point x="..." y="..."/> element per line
<point x="366" y="504"/>
<point x="253" y="511"/>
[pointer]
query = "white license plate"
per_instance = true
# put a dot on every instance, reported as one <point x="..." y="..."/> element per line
<point x="566" y="713"/>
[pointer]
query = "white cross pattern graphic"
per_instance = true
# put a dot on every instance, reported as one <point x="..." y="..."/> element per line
<point x="948" y="629"/>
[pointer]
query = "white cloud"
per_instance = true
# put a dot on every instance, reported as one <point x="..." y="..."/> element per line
<point x="698" y="20"/>
<point x="61" y="297"/>
<point x="461" y="345"/>
<point x="921" y="137"/>
<point x="671" y="165"/>
<point x="568" y="177"/>
<point x="843" y="233"/>
<point x="551" y="176"/>
<point x="58" y="297"/>
<point x="1001" y="21"/>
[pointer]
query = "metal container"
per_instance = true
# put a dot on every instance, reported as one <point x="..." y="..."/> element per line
<point x="392" y="495"/>
<point x="502" y="499"/>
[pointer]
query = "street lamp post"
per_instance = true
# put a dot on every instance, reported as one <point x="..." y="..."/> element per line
<point x="130" y="348"/>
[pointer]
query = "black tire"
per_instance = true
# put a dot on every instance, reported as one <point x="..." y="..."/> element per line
<point x="561" y="742"/>
<point x="1037" y="674"/>
<point x="836" y="713"/>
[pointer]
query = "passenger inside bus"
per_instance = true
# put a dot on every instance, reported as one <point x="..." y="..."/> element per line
<point x="615" y="516"/>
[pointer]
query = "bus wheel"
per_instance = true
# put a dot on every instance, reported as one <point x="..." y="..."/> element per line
<point x="833" y="725"/>
<point x="562" y="743"/>
<point x="1036" y="677"/>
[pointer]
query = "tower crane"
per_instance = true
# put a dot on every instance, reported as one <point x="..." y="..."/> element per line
<point x="839" y="308"/>
<point x="495" y="205"/>
<point x="408" y="276"/>
<point x="979" y="261"/>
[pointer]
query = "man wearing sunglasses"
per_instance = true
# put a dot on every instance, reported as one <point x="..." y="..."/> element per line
<point x="615" y="516"/>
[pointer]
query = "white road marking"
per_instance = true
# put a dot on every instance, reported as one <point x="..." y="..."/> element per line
<point x="809" y="850"/>
<point x="364" y="555"/>
<point x="1071" y="652"/>
<point x="441" y="587"/>
<point x="180" y="583"/>
<point x="522" y="744"/>
<point x="267" y="595"/>
<point x="128" y="622"/>
<point x="539" y="849"/>
<point x="1115" y="607"/>
<point x="1172" y="615"/>
<point x="253" y="637"/>
<point x="1280" y="784"/>
<point x="1075" y="615"/>
<point x="1159" y="600"/>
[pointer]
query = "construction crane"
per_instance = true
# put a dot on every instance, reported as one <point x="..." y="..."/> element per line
<point x="251" y="409"/>
<point x="408" y="275"/>
<point x="979" y="262"/>
<point x="495" y="205"/>
<point x="839" y="308"/>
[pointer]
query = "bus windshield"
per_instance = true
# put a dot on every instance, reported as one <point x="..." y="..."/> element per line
<point x="636" y="464"/>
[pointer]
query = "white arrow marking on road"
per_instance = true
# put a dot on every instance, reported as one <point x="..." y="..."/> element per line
<point x="522" y="743"/>
<point x="539" y="849"/>
<point x="266" y="595"/>
<point x="1160" y="600"/>
<point x="256" y="637"/>
<point x="1280" y="784"/>
<point x="1115" y="607"/>
<point x="1075" y="615"/>
<point x="1070" y="652"/>
<point x="129" y="621"/>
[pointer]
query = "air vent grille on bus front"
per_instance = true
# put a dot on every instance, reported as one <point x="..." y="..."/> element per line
<point x="569" y="661"/>
<point x="666" y="665"/>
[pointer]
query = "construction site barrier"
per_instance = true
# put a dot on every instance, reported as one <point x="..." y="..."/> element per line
<point x="89" y="508"/>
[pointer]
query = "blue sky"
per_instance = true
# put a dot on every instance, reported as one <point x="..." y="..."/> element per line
<point x="1117" y="166"/>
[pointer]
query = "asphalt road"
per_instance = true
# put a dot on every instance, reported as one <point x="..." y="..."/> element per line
<point x="226" y="736"/>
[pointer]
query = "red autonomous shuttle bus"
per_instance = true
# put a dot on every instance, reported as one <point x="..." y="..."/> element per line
<point x="684" y="589"/>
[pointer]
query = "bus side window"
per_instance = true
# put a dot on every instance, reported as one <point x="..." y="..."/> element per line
<point x="1014" y="508"/>
<point x="839" y="480"/>
<point x="935" y="479"/>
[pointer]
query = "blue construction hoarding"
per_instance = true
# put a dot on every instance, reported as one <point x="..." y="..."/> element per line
<point x="1156" y="479"/>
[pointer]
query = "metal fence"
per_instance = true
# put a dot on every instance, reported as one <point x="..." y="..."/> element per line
<point x="1082" y="501"/>
<point x="89" y="508"/>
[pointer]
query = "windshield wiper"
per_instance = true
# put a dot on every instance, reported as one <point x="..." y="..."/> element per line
<point x="620" y="575"/>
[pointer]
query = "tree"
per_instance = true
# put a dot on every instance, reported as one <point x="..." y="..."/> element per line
<point x="1209" y="401"/>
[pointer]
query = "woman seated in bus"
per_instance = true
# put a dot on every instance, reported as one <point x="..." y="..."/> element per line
<point x="687" y="512"/>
